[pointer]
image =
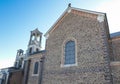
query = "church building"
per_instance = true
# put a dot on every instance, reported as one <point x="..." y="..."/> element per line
<point x="79" y="50"/>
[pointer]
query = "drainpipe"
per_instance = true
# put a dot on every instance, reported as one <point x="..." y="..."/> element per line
<point x="41" y="70"/>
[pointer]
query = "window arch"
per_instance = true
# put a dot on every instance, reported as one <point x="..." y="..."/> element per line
<point x="69" y="52"/>
<point x="36" y="68"/>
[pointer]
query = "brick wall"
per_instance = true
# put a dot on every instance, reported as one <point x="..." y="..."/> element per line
<point x="115" y="72"/>
<point x="16" y="77"/>
<point x="92" y="61"/>
<point x="116" y="48"/>
<point x="115" y="64"/>
<point x="34" y="78"/>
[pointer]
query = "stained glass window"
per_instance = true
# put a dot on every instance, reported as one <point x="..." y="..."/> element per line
<point x="70" y="53"/>
<point x="36" y="68"/>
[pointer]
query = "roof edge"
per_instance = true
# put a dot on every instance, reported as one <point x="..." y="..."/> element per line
<point x="88" y="11"/>
<point x="46" y="34"/>
<point x="69" y="8"/>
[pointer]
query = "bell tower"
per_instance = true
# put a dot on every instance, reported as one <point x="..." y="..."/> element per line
<point x="19" y="62"/>
<point x="34" y="44"/>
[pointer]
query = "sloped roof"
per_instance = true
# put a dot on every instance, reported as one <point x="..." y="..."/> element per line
<point x="68" y="10"/>
<point x="36" y="31"/>
<point x="116" y="34"/>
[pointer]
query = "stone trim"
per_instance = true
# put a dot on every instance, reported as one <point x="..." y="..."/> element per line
<point x="117" y="63"/>
<point x="63" y="53"/>
<point x="47" y="36"/>
<point x="69" y="10"/>
<point x="100" y="18"/>
<point x="115" y="39"/>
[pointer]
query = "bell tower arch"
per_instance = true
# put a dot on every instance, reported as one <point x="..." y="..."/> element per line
<point x="34" y="44"/>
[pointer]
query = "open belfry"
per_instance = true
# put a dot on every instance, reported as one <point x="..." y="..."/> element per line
<point x="79" y="50"/>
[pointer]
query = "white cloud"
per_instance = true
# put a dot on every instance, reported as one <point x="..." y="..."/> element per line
<point x="113" y="13"/>
<point x="4" y="63"/>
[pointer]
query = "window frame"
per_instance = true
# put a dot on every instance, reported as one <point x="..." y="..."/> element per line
<point x="63" y="53"/>
<point x="69" y="53"/>
<point x="33" y="74"/>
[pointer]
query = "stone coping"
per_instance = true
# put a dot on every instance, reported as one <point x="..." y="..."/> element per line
<point x="116" y="63"/>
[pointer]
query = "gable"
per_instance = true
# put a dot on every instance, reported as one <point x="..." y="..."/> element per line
<point x="81" y="12"/>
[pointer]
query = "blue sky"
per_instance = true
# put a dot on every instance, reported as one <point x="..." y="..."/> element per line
<point x="19" y="17"/>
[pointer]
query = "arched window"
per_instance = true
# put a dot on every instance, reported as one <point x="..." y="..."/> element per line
<point x="36" y="68"/>
<point x="69" y="53"/>
<point x="33" y="37"/>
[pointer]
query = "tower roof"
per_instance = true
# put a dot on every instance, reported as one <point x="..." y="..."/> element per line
<point x="36" y="31"/>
